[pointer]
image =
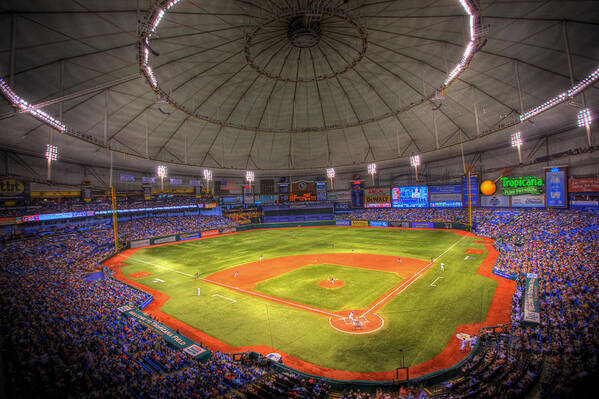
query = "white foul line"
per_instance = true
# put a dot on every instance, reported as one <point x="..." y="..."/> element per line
<point x="433" y="283"/>
<point x="224" y="297"/>
<point x="415" y="277"/>
<point x="271" y="298"/>
<point x="162" y="267"/>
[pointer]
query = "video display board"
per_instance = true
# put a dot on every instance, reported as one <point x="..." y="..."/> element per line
<point x="556" y="188"/>
<point x="449" y="196"/>
<point x="473" y="190"/>
<point x="377" y="198"/>
<point x="409" y="197"/>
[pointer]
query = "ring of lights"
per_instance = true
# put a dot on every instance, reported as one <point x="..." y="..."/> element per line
<point x="24" y="107"/>
<point x="160" y="8"/>
<point x="333" y="14"/>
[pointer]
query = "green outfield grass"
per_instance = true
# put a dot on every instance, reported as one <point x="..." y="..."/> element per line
<point x="420" y="321"/>
<point x="362" y="286"/>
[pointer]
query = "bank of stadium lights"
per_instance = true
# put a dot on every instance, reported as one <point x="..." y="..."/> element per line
<point x="331" y="175"/>
<point x="372" y="171"/>
<point x="51" y="156"/>
<point x="415" y="163"/>
<point x="23" y="106"/>
<point x="161" y="172"/>
<point x="584" y="118"/>
<point x="562" y="97"/>
<point x="207" y="177"/>
<point x="249" y="176"/>
<point x="207" y="174"/>
<point x="516" y="140"/>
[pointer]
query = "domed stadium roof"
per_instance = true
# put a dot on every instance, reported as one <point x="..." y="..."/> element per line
<point x="279" y="85"/>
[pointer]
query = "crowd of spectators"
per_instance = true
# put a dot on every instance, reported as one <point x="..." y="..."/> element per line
<point x="562" y="248"/>
<point x="62" y="335"/>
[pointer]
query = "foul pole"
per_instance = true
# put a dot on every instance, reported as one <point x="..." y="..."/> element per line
<point x="115" y="226"/>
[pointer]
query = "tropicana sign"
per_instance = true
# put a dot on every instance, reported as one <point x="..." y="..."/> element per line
<point x="521" y="185"/>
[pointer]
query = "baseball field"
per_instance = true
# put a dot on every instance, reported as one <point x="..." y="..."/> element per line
<point x="292" y="290"/>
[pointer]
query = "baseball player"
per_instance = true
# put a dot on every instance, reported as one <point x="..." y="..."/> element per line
<point x="442" y="266"/>
<point x="351" y="316"/>
<point x="236" y="274"/>
<point x="260" y="258"/>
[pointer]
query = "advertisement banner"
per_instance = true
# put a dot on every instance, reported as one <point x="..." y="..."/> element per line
<point x="400" y="224"/>
<point x="359" y="223"/>
<point x="342" y="222"/>
<point x="163" y="240"/>
<point x="176" y="182"/>
<point x="521" y="185"/>
<point x="189" y="236"/>
<point x="495" y="201"/>
<point x="248" y="194"/>
<point x="10" y="220"/>
<point x="339" y="196"/>
<point x="422" y="225"/>
<point x="209" y="233"/>
<point x="12" y="189"/>
<point x="556" y="189"/>
<point x="148" y="180"/>
<point x="530" y="305"/>
<point x="584" y="185"/>
<point x="378" y="223"/>
<point x="528" y="201"/>
<point x="210" y="205"/>
<point x="377" y="197"/>
<point x="267" y="199"/>
<point x="128" y="178"/>
<point x="584" y="204"/>
<point x="449" y="196"/>
<point x="179" y="341"/>
<point x="473" y="191"/>
<point x="139" y="243"/>
<point x="228" y="230"/>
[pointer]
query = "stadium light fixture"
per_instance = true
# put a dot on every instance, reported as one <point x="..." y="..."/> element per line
<point x="249" y="176"/>
<point x="161" y="172"/>
<point x="516" y="140"/>
<point x="331" y="175"/>
<point x="415" y="163"/>
<point x="51" y="156"/>
<point x="372" y="171"/>
<point x="584" y="118"/>
<point x="207" y="177"/>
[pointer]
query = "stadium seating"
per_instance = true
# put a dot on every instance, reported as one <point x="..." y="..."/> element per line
<point x="62" y="335"/>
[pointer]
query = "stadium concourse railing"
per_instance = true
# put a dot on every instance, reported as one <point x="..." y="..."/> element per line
<point x="426" y="380"/>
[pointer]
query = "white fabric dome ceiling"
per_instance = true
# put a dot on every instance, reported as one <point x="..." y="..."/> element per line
<point x="268" y="91"/>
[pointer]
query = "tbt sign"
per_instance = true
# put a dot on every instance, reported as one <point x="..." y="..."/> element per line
<point x="521" y="185"/>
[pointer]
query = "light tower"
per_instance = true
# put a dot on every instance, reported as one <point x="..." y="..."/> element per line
<point x="415" y="163"/>
<point x="331" y="176"/>
<point x="161" y="171"/>
<point x="372" y="171"/>
<point x="516" y="140"/>
<point x="51" y="155"/>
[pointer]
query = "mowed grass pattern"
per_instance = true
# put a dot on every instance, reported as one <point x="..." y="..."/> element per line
<point x="420" y="321"/>
<point x="361" y="286"/>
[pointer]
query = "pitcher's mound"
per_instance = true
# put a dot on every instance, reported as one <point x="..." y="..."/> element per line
<point x="329" y="284"/>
